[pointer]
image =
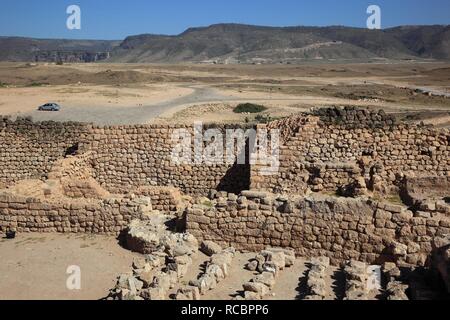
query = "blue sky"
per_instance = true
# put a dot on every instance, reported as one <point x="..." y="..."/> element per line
<point x="116" y="19"/>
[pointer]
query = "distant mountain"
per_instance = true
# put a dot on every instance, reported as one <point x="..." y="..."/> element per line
<point x="51" y="50"/>
<point x="234" y="43"/>
<point x="425" y="41"/>
<point x="245" y="43"/>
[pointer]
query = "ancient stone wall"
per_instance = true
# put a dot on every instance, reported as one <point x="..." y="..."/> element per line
<point x="339" y="228"/>
<point x="28" y="150"/>
<point x="323" y="153"/>
<point x="133" y="156"/>
<point x="165" y="199"/>
<point x="319" y="152"/>
<point x="28" y="214"/>
<point x="121" y="157"/>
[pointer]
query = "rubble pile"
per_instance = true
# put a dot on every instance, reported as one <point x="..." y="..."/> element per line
<point x="316" y="283"/>
<point x="215" y="271"/>
<point x="395" y="288"/>
<point x="268" y="263"/>
<point x="356" y="281"/>
<point x="153" y="234"/>
<point x="167" y="258"/>
<point x="441" y="259"/>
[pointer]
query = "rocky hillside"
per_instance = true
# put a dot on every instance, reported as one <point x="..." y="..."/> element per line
<point x="253" y="44"/>
<point x="234" y="43"/>
<point x="53" y="50"/>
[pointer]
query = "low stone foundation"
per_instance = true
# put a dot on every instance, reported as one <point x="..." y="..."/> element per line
<point x="339" y="228"/>
<point x="28" y="214"/>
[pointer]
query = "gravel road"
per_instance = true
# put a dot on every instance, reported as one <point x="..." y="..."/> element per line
<point x="127" y="115"/>
<point x="115" y="115"/>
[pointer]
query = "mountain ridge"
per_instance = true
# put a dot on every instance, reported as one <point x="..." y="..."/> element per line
<point x="244" y="43"/>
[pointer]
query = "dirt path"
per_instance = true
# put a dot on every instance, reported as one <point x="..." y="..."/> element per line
<point x="116" y="115"/>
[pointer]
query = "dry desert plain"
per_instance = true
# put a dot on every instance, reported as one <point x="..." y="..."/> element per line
<point x="148" y="93"/>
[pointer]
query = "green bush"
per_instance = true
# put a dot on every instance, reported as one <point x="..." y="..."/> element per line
<point x="249" y="108"/>
<point x="36" y="84"/>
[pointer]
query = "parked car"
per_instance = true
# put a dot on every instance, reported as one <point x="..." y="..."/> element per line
<point x="49" y="107"/>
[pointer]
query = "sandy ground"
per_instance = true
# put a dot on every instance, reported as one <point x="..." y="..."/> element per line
<point x="25" y="100"/>
<point x="147" y="93"/>
<point x="33" y="266"/>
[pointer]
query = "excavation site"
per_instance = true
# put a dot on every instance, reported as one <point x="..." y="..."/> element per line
<point x="357" y="209"/>
<point x="224" y="159"/>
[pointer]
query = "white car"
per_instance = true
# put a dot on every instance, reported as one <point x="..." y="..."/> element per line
<point x="49" y="107"/>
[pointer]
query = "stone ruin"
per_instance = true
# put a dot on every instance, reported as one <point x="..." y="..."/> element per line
<point x="354" y="189"/>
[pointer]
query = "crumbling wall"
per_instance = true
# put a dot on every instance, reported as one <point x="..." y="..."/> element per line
<point x="339" y="228"/>
<point x="73" y="176"/>
<point x="323" y="151"/>
<point x="133" y="156"/>
<point x="337" y="146"/>
<point x="120" y="157"/>
<point x="28" y="214"/>
<point x="28" y="150"/>
<point x="418" y="188"/>
<point x="163" y="198"/>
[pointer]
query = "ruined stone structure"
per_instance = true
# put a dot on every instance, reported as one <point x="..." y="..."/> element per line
<point x="337" y="148"/>
<point x="28" y="214"/>
<point x="135" y="156"/>
<point x="340" y="228"/>
<point x="28" y="150"/>
<point x="121" y="157"/>
<point x="75" y="177"/>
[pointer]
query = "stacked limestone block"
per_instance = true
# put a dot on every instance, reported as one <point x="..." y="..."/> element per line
<point x="395" y="288"/>
<point x="216" y="270"/>
<point x="30" y="214"/>
<point x="168" y="257"/>
<point x="316" y="283"/>
<point x="320" y="150"/>
<point x="152" y="234"/>
<point x="268" y="263"/>
<point x="356" y="281"/>
<point x="164" y="199"/>
<point x="339" y="228"/>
